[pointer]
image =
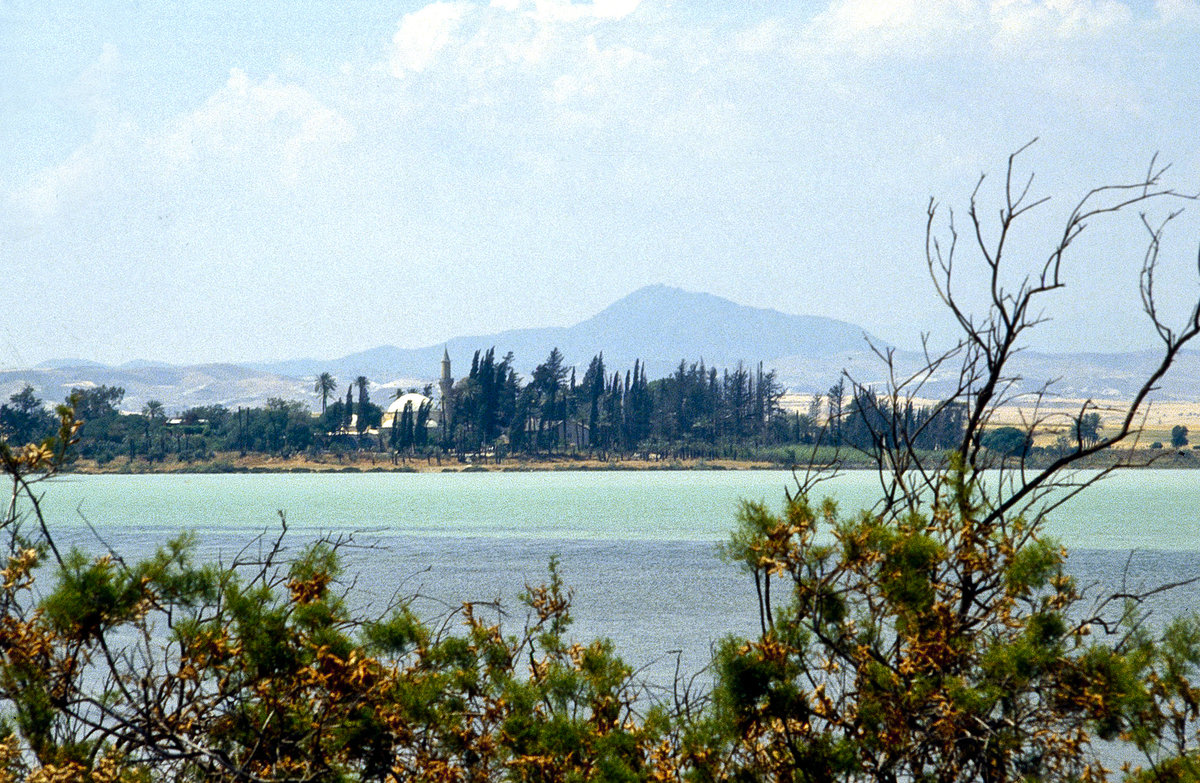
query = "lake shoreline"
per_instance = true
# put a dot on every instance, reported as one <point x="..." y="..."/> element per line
<point x="382" y="463"/>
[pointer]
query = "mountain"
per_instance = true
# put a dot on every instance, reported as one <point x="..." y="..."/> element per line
<point x="1073" y="376"/>
<point x="663" y="325"/>
<point x="658" y="325"/>
<point x="1111" y="376"/>
<point x="178" y="388"/>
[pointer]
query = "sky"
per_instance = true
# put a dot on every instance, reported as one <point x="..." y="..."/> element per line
<point x="216" y="181"/>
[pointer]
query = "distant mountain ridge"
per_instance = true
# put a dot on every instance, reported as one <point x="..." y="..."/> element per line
<point x="178" y="388"/>
<point x="657" y="325"/>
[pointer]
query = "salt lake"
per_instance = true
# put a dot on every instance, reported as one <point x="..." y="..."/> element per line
<point x="638" y="548"/>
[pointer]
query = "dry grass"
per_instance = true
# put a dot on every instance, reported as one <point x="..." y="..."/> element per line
<point x="1155" y="419"/>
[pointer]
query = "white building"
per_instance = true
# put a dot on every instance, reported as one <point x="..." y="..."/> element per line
<point x="412" y="400"/>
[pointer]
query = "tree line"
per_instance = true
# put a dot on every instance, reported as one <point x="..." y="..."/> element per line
<point x="695" y="412"/>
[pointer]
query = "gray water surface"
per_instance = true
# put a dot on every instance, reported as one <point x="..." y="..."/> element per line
<point x="637" y="548"/>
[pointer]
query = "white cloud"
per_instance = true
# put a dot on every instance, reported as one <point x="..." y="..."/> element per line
<point x="1070" y="59"/>
<point x="594" y="69"/>
<point x="510" y="76"/>
<point x="1179" y="12"/>
<point x="546" y="46"/>
<point x="939" y="28"/>
<point x="93" y="165"/>
<point x="262" y="133"/>
<point x="763" y="38"/>
<point x="546" y="65"/>
<point x="565" y="10"/>
<point x="853" y="16"/>
<point x="423" y="34"/>
<point x="874" y="27"/>
<point x="251" y="124"/>
<point x="1020" y="22"/>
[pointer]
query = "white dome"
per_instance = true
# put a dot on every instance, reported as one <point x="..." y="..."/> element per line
<point x="412" y="398"/>
<point x="396" y="409"/>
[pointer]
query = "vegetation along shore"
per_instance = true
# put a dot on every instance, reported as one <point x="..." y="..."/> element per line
<point x="694" y="419"/>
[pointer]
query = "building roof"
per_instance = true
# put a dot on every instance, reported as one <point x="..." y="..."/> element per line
<point x="415" y="399"/>
<point x="396" y="409"/>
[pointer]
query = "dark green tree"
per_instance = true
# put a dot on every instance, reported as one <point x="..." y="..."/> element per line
<point x="369" y="414"/>
<point x="421" y="424"/>
<point x="24" y="419"/>
<point x="103" y="434"/>
<point x="324" y="386"/>
<point x="1087" y="429"/>
<point x="593" y="392"/>
<point x="154" y="411"/>
<point x="364" y="401"/>
<point x="835" y="399"/>
<point x="334" y="417"/>
<point x="402" y="430"/>
<point x="548" y="387"/>
<point x="97" y="403"/>
<point x="1008" y="441"/>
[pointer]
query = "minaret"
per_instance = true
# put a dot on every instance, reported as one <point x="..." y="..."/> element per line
<point x="445" y="387"/>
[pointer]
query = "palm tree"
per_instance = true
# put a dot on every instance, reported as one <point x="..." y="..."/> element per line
<point x="325" y="385"/>
<point x="155" y="413"/>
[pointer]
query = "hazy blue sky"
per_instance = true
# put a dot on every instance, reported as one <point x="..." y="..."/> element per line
<point x="205" y="181"/>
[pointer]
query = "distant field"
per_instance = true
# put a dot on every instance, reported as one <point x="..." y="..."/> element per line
<point x="1157" y="419"/>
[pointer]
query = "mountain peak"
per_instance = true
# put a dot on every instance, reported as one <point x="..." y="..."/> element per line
<point x="660" y="322"/>
<point x="657" y="325"/>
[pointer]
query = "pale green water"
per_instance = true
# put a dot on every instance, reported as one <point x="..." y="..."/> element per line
<point x="638" y="547"/>
<point x="1157" y="509"/>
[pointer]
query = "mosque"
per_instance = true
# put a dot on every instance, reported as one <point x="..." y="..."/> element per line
<point x="569" y="432"/>
<point x="439" y="417"/>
